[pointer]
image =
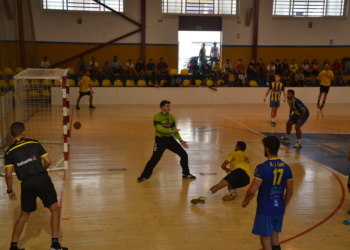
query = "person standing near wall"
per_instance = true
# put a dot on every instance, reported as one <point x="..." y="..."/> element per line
<point x="326" y="76"/>
<point x="202" y="53"/>
<point x="214" y="54"/>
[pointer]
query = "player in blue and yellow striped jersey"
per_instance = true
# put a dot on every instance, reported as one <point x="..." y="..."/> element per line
<point x="276" y="88"/>
<point x="274" y="180"/>
<point x="299" y="117"/>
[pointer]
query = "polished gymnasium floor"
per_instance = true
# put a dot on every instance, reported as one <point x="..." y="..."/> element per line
<point x="103" y="207"/>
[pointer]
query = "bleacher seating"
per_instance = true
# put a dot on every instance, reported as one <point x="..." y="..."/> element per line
<point x="8" y="71"/>
<point x="130" y="83"/>
<point x="118" y="83"/>
<point x="106" y="83"/>
<point x="141" y="83"/>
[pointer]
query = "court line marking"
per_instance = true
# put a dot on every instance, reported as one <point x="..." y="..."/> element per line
<point x="330" y="150"/>
<point x="342" y="199"/>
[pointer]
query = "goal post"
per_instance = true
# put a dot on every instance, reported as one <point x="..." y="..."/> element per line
<point x="42" y="104"/>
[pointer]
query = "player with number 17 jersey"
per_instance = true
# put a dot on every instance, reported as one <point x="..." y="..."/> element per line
<point x="271" y="192"/>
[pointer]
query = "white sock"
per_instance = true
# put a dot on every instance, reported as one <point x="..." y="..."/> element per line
<point x="232" y="191"/>
<point x="299" y="141"/>
<point x="207" y="194"/>
<point x="273" y="119"/>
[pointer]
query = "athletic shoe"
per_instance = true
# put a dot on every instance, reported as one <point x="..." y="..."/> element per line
<point x="298" y="145"/>
<point x="91" y="107"/>
<point x="189" y="176"/>
<point x="347" y="222"/>
<point x="141" y="179"/>
<point x="285" y="138"/>
<point x="321" y="107"/>
<point x="318" y="106"/>
<point x="77" y="107"/>
<point x="273" y="124"/>
<point x="16" y="248"/>
<point x="198" y="200"/>
<point x="229" y="197"/>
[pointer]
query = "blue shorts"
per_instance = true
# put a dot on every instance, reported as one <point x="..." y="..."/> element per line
<point x="274" y="104"/>
<point x="264" y="225"/>
<point x="294" y="118"/>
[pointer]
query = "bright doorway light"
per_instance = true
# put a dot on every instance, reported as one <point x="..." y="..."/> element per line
<point x="190" y="43"/>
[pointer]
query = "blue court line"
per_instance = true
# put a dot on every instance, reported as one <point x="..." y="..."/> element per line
<point x="330" y="150"/>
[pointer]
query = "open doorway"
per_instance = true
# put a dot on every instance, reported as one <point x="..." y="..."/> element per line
<point x="190" y="43"/>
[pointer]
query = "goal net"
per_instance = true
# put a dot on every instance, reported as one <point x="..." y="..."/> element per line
<point x="6" y="116"/>
<point x="42" y="104"/>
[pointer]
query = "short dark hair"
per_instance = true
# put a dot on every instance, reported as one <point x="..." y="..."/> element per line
<point x="279" y="75"/>
<point x="163" y="103"/>
<point x="17" y="129"/>
<point x="277" y="60"/>
<point x="291" y="91"/>
<point x="240" y="60"/>
<point x="242" y="146"/>
<point x="272" y="143"/>
<point x="151" y="59"/>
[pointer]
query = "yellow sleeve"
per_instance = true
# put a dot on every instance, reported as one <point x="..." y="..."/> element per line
<point x="230" y="157"/>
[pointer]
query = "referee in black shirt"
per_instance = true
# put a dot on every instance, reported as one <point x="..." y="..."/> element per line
<point x="25" y="156"/>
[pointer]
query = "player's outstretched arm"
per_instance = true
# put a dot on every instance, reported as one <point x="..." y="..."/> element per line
<point x="289" y="192"/>
<point x="267" y="93"/>
<point x="184" y="144"/>
<point x="9" y="180"/>
<point x="284" y="96"/>
<point x="47" y="161"/>
<point x="251" y="192"/>
<point x="224" y="166"/>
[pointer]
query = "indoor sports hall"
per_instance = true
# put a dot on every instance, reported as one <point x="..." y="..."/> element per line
<point x="95" y="167"/>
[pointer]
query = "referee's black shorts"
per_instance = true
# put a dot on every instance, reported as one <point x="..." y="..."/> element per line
<point x="237" y="178"/>
<point x="37" y="186"/>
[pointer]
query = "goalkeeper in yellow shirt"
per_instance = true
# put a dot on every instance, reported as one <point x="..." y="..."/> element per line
<point x="238" y="175"/>
<point x="85" y="89"/>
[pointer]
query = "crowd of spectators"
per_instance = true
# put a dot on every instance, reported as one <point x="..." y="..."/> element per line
<point x="221" y="75"/>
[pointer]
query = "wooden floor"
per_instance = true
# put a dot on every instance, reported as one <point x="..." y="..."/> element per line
<point x="104" y="209"/>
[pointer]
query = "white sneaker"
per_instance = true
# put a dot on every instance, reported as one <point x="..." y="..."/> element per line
<point x="298" y="145"/>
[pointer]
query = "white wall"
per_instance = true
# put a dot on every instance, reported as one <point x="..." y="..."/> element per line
<point x="148" y="95"/>
<point x="296" y="31"/>
<point x="163" y="29"/>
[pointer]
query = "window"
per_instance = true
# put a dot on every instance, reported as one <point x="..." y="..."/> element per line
<point x="309" y="8"/>
<point x="201" y="7"/>
<point x="83" y="5"/>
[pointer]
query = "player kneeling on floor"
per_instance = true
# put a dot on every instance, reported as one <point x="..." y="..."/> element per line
<point x="238" y="174"/>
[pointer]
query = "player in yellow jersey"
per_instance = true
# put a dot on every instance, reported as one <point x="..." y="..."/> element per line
<point x="238" y="174"/>
<point x="85" y="89"/>
<point x="326" y="76"/>
<point x="276" y="88"/>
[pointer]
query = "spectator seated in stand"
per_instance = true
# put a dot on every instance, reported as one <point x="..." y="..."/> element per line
<point x="151" y="68"/>
<point x="140" y="68"/>
<point x="94" y="67"/>
<point x="81" y="66"/>
<point x="217" y="72"/>
<point x="261" y="69"/>
<point x="270" y="72"/>
<point x="315" y="69"/>
<point x="227" y="71"/>
<point x="45" y="63"/>
<point x="238" y="67"/>
<point x="116" y="67"/>
<point x="195" y="73"/>
<point x="176" y="81"/>
<point x="285" y="69"/>
<point x="130" y="69"/>
<point x="299" y="78"/>
<point x="278" y="68"/>
<point x="324" y="64"/>
<point x="338" y="73"/>
<point x="293" y="67"/>
<point x="242" y="78"/>
<point x="251" y="70"/>
<point x="106" y="70"/>
<point x="162" y="67"/>
<point x="306" y="69"/>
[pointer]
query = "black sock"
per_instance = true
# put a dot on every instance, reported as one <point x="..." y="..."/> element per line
<point x="55" y="241"/>
<point x="13" y="244"/>
<point x="278" y="247"/>
<point x="318" y="102"/>
<point x="323" y="103"/>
